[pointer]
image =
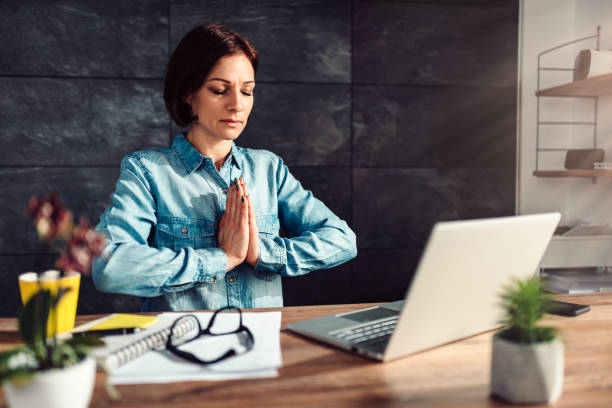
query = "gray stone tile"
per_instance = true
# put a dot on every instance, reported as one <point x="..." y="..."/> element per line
<point x="306" y="125"/>
<point x="84" y="38"/>
<point x="85" y="191"/>
<point x="301" y="40"/>
<point x="382" y="275"/>
<point x="90" y="300"/>
<point x="79" y="121"/>
<point x="416" y="43"/>
<point x="322" y="287"/>
<point x="396" y="208"/>
<point x="434" y="126"/>
<point x="330" y="185"/>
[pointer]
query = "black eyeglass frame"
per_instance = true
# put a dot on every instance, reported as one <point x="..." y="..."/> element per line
<point x="250" y="340"/>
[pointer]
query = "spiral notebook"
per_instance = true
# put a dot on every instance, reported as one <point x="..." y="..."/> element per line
<point x="160" y="366"/>
<point x="121" y="349"/>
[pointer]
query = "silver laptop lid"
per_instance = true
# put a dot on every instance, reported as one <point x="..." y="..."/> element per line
<point x="465" y="265"/>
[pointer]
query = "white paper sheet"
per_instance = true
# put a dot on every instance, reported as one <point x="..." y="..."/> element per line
<point x="164" y="367"/>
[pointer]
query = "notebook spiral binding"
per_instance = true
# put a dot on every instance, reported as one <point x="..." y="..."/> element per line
<point x="152" y="341"/>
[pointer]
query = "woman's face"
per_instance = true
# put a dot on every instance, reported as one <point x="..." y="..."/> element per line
<point x="223" y="103"/>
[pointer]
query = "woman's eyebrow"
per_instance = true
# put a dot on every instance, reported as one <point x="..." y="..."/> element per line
<point x="228" y="82"/>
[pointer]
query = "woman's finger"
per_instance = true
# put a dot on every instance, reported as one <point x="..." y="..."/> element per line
<point x="245" y="209"/>
<point x="251" y="210"/>
<point x="236" y="202"/>
<point x="252" y="219"/>
<point x="229" y="203"/>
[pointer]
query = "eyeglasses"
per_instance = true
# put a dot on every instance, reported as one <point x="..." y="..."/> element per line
<point x="229" y="325"/>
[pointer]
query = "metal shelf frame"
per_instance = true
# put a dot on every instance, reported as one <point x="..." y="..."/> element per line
<point x="540" y="123"/>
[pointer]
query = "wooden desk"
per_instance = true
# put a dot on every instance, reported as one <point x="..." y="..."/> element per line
<point x="315" y="375"/>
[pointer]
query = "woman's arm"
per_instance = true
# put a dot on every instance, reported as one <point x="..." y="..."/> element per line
<point x="319" y="239"/>
<point x="129" y="264"/>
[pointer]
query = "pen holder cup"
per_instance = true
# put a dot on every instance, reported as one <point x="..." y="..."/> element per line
<point x="63" y="316"/>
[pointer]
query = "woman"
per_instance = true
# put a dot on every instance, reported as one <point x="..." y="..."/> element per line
<point x="196" y="225"/>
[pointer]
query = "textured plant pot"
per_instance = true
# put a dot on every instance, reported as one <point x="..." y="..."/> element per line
<point x="527" y="373"/>
<point x="70" y="387"/>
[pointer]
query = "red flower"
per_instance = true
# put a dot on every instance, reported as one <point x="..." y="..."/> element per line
<point x="54" y="222"/>
<point x="50" y="217"/>
<point x="84" y="245"/>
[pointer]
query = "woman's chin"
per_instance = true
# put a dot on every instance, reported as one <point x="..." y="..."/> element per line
<point x="233" y="135"/>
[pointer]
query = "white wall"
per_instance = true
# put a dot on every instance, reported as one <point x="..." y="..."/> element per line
<point x="546" y="24"/>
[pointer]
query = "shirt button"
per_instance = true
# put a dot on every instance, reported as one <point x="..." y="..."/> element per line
<point x="224" y="190"/>
<point x="184" y="230"/>
<point x="212" y="278"/>
<point x="231" y="279"/>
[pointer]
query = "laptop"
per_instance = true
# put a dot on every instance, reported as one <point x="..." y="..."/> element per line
<point x="455" y="291"/>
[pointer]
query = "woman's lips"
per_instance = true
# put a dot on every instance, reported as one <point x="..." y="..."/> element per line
<point x="231" y="122"/>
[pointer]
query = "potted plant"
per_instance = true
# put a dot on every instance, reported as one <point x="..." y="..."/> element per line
<point x="527" y="363"/>
<point x="47" y="371"/>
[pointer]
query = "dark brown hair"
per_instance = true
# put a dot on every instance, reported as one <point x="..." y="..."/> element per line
<point x="193" y="59"/>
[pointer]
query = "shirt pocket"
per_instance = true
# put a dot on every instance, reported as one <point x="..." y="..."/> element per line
<point x="177" y="233"/>
<point x="269" y="227"/>
<point x="267" y="224"/>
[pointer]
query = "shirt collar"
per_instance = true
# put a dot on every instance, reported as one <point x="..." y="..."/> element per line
<point x="192" y="159"/>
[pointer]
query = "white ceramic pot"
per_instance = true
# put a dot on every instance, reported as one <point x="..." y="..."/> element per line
<point x="70" y="387"/>
<point x="527" y="373"/>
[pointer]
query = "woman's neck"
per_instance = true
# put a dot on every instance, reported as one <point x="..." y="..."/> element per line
<point x="218" y="151"/>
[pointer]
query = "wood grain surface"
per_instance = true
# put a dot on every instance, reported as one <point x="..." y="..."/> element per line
<point x="317" y="375"/>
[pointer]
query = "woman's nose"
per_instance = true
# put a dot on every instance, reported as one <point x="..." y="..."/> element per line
<point x="235" y="102"/>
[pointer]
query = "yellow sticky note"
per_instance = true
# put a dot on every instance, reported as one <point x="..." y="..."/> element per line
<point x="123" y="321"/>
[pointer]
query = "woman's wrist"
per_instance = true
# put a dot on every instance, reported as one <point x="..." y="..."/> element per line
<point x="252" y="260"/>
<point x="232" y="261"/>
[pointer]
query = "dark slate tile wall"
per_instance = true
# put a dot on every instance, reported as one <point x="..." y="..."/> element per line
<point x="396" y="114"/>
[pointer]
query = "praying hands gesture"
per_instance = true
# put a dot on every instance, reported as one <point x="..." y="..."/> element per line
<point x="238" y="234"/>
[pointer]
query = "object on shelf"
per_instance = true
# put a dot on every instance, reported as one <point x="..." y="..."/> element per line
<point x="583" y="159"/>
<point x="590" y="63"/>
<point x="602" y="166"/>
<point x="579" y="280"/>
<point x="588" y="230"/>
<point x="576" y="160"/>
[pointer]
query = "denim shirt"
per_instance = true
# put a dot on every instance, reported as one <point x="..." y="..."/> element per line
<point x="162" y="226"/>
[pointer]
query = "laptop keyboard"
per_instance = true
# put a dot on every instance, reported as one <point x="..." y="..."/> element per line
<point x="370" y="331"/>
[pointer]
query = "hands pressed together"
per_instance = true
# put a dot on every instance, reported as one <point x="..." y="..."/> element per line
<point x="238" y="234"/>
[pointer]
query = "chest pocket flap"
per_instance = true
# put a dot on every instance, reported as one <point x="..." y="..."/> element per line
<point x="179" y="232"/>
<point x="267" y="224"/>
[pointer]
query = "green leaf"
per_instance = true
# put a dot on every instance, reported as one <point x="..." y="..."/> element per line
<point x="19" y="362"/>
<point x="524" y="304"/>
<point x="60" y="294"/>
<point x="33" y="318"/>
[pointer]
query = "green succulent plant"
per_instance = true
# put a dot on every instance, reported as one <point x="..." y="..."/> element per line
<point x="524" y="303"/>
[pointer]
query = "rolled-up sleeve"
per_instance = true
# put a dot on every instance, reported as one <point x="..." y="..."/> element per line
<point x="129" y="264"/>
<point x="318" y="239"/>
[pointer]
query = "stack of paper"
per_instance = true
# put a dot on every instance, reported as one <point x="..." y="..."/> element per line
<point x="160" y="366"/>
<point x="577" y="281"/>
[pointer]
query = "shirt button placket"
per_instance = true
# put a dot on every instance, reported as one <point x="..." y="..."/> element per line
<point x="233" y="291"/>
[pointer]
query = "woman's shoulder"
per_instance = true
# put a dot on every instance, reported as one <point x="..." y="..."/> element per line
<point x="148" y="156"/>
<point x="148" y="161"/>
<point x="260" y="156"/>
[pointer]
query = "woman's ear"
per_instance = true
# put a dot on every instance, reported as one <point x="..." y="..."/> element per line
<point x="188" y="99"/>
